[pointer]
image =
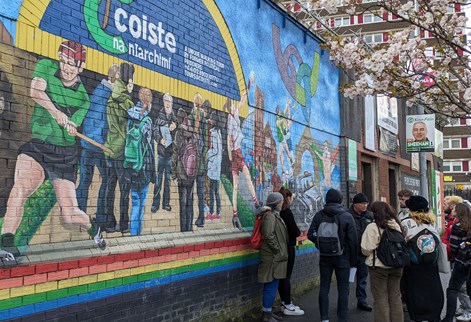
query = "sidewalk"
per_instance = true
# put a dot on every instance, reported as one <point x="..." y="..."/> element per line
<point x="309" y="303"/>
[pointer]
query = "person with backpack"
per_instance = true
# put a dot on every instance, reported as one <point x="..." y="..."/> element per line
<point x="333" y="231"/>
<point x="424" y="293"/>
<point x="117" y="109"/>
<point x="184" y="168"/>
<point x="284" y="287"/>
<point x="384" y="279"/>
<point x="144" y="173"/>
<point x="273" y="253"/>
<point x="362" y="218"/>
<point x="164" y="129"/>
<point x="460" y="245"/>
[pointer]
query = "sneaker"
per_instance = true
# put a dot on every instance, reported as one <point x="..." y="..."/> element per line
<point x="290" y="309"/>
<point x="464" y="317"/>
<point x="216" y="216"/>
<point x="460" y="311"/>
<point x="283" y="305"/>
<point x="99" y="240"/>
<point x="209" y="217"/>
<point x="236" y="222"/>
<point x="7" y="259"/>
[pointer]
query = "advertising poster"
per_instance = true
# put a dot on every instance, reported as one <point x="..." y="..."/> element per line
<point x="420" y="133"/>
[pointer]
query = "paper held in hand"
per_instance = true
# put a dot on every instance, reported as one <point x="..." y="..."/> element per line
<point x="353" y="271"/>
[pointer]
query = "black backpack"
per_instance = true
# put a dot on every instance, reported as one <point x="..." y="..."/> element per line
<point x="392" y="250"/>
<point x="328" y="240"/>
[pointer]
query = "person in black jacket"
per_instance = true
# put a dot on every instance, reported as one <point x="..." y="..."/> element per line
<point x="341" y="262"/>
<point x="460" y="247"/>
<point x="284" y="287"/>
<point x="362" y="218"/>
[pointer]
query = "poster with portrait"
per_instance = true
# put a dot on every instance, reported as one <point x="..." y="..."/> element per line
<point x="387" y="113"/>
<point x="420" y="133"/>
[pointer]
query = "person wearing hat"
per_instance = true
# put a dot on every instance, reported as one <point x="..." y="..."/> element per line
<point x="362" y="218"/>
<point x="273" y="253"/>
<point x="339" y="262"/>
<point x="423" y="287"/>
<point x="60" y="105"/>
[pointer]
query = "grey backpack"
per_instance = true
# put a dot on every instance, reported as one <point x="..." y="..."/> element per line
<point x="328" y="241"/>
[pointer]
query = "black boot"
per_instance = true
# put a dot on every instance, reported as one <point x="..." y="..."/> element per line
<point x="8" y="250"/>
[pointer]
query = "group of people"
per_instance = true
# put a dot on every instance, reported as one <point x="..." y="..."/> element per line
<point x="351" y="238"/>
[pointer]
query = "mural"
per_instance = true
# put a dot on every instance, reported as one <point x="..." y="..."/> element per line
<point x="195" y="120"/>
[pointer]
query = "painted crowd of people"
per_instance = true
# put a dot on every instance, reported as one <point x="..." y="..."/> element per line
<point x="414" y="286"/>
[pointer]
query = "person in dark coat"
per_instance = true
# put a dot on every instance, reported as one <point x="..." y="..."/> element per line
<point x="424" y="292"/>
<point x="460" y="243"/>
<point x="284" y="287"/>
<point x="273" y="253"/>
<point x="340" y="263"/>
<point x="362" y="218"/>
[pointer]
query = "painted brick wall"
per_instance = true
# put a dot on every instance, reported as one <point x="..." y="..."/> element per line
<point x="291" y="137"/>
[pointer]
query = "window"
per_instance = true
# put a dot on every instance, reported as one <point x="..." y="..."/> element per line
<point x="449" y="166"/>
<point x="371" y="18"/>
<point x="342" y="21"/>
<point x="452" y="143"/>
<point x="373" y="38"/>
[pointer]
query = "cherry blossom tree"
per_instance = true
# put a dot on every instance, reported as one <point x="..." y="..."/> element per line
<point x="434" y="71"/>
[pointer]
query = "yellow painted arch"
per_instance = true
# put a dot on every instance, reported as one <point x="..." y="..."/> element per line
<point x="30" y="38"/>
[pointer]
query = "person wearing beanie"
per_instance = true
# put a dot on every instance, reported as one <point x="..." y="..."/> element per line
<point x="273" y="253"/>
<point x="341" y="261"/>
<point x="362" y="218"/>
<point x="422" y="284"/>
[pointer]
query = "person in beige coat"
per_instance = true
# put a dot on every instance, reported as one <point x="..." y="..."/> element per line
<point x="273" y="253"/>
<point x="384" y="280"/>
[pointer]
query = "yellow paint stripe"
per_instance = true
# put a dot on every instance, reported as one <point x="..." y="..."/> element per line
<point x="89" y="279"/>
<point x="29" y="37"/>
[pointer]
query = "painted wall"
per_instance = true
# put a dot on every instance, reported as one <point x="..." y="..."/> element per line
<point x="238" y="98"/>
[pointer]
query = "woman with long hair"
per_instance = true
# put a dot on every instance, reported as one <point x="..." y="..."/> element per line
<point x="460" y="247"/>
<point x="273" y="253"/>
<point x="422" y="284"/>
<point x="284" y="287"/>
<point x="384" y="280"/>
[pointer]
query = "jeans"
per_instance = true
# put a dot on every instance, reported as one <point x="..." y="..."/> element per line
<point x="88" y="161"/>
<point x="269" y="294"/>
<point x="284" y="288"/>
<point x="362" y="276"/>
<point x="385" y="287"/>
<point x="459" y="276"/>
<point x="164" y="167"/>
<point x="117" y="174"/>
<point x="200" y="193"/>
<point x="341" y="266"/>
<point x="137" y="211"/>
<point x="185" y="193"/>
<point x="214" y="194"/>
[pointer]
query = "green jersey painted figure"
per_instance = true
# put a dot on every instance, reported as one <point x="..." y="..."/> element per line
<point x="61" y="103"/>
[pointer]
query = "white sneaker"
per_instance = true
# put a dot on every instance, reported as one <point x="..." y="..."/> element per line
<point x="283" y="305"/>
<point x="460" y="311"/>
<point x="464" y="317"/>
<point x="290" y="309"/>
<point x="325" y="320"/>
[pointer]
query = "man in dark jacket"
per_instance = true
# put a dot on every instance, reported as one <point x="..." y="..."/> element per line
<point x="362" y="218"/>
<point x="165" y="126"/>
<point x="341" y="262"/>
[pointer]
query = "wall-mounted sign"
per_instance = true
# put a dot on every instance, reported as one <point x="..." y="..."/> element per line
<point x="420" y="133"/>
